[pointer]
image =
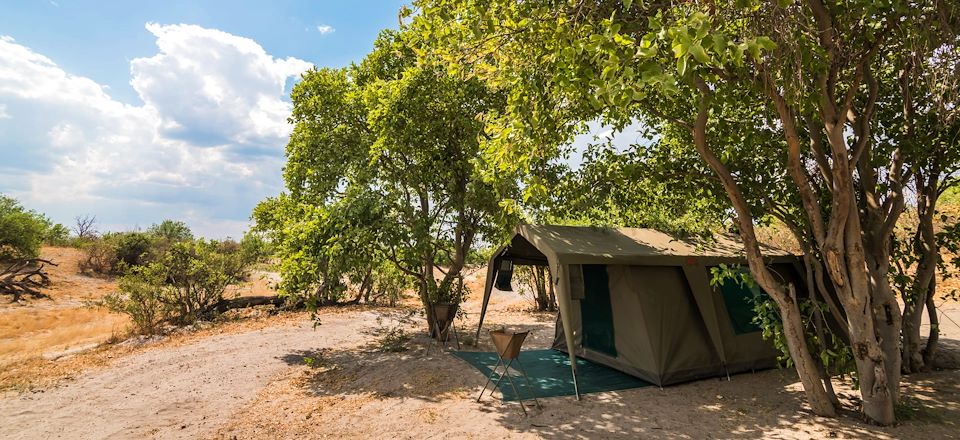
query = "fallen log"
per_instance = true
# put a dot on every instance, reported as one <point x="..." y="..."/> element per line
<point x="25" y="277"/>
<point x="247" y="301"/>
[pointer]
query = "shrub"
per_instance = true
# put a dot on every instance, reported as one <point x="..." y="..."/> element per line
<point x="142" y="299"/>
<point x="116" y="252"/>
<point x="132" y="248"/>
<point x="100" y="257"/>
<point x="57" y="235"/>
<point x="181" y="286"/>
<point x="171" y="231"/>
<point x="255" y="248"/>
<point x="22" y="231"/>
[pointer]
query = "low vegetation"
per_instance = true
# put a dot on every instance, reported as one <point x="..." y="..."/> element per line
<point x="178" y="280"/>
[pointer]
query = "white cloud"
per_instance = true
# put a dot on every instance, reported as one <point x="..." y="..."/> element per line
<point x="204" y="147"/>
<point x="325" y="29"/>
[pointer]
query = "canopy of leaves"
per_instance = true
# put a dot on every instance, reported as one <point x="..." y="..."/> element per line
<point x="22" y="231"/>
<point x="384" y="165"/>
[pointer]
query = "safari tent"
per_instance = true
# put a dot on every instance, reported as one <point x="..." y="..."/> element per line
<point x="640" y="301"/>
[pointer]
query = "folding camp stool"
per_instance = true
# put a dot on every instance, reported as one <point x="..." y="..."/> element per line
<point x="508" y="351"/>
<point x="443" y="313"/>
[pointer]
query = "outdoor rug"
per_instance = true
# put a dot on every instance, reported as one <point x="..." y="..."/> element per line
<point x="549" y="372"/>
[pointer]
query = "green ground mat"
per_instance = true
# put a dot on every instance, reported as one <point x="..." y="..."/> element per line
<point x="549" y="372"/>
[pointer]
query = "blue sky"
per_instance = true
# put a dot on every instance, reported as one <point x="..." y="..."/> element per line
<point x="140" y="111"/>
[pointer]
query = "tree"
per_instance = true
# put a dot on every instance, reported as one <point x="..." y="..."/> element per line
<point x="384" y="166"/>
<point x="171" y="231"/>
<point x="22" y="231"/>
<point x="85" y="226"/>
<point x="778" y="100"/>
<point x="928" y="127"/>
<point x="183" y="285"/>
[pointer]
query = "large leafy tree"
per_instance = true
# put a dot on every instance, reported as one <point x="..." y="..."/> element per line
<point x="778" y="99"/>
<point x="384" y="168"/>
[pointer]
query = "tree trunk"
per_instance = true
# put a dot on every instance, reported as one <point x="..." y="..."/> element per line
<point x="785" y="297"/>
<point x="553" y="295"/>
<point x="934" y="336"/>
<point x="923" y="284"/>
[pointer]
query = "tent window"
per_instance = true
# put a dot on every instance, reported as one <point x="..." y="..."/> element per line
<point x="596" y="311"/>
<point x="739" y="301"/>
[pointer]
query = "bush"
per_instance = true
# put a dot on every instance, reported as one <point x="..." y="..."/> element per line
<point x="254" y="248"/>
<point x="171" y="231"/>
<point x="100" y="257"/>
<point x="142" y="299"/>
<point x="132" y="248"/>
<point x="22" y="231"/>
<point x="57" y="235"/>
<point x="182" y="286"/>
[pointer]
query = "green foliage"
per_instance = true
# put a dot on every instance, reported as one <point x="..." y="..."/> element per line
<point x="384" y="170"/>
<point x="951" y="196"/>
<point x="834" y="354"/>
<point x="131" y="248"/>
<point x="57" y="235"/>
<point x="171" y="231"/>
<point x="142" y="298"/>
<point x="181" y="286"/>
<point x="22" y="231"/>
<point x="255" y="248"/>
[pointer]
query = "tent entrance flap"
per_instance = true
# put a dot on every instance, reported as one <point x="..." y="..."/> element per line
<point x="596" y="310"/>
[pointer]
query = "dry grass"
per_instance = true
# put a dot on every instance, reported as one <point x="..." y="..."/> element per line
<point x="65" y="322"/>
<point x="31" y="333"/>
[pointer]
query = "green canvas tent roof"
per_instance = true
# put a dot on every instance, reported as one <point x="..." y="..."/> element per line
<point x="598" y="245"/>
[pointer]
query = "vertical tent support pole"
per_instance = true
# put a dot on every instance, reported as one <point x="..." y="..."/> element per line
<point x="562" y="280"/>
<point x="487" y="288"/>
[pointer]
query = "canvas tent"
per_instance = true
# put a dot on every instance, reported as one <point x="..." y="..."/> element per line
<point x="641" y="302"/>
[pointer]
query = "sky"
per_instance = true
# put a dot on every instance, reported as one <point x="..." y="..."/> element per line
<point x="137" y="112"/>
<point x="140" y="111"/>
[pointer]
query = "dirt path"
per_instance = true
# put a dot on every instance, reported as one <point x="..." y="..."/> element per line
<point x="177" y="392"/>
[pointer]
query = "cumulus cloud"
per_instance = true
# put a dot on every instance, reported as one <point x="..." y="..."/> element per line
<point x="214" y="88"/>
<point x="204" y="147"/>
<point x="325" y="29"/>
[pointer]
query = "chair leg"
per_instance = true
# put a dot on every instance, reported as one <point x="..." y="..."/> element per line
<point x="490" y="379"/>
<point x="506" y="371"/>
<point x="529" y="385"/>
<point x="516" y="392"/>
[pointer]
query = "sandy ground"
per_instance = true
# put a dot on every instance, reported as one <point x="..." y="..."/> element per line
<point x="178" y="392"/>
<point x="245" y="383"/>
<point x="361" y="393"/>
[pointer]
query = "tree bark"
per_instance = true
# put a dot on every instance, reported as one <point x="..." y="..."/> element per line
<point x="933" y="338"/>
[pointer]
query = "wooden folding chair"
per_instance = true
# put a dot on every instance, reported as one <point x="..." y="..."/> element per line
<point x="508" y="351"/>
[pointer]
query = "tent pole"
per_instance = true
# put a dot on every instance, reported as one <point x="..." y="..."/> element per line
<point x="576" y="387"/>
<point x="487" y="289"/>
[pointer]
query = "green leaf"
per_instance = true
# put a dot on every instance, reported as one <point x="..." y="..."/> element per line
<point x="699" y="54"/>
<point x="766" y="43"/>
